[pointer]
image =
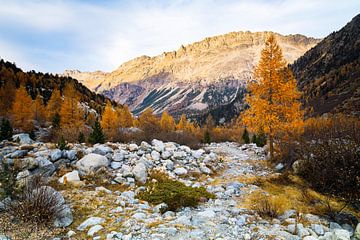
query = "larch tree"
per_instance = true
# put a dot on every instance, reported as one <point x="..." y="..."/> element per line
<point x="182" y="124"/>
<point x="273" y="99"/>
<point x="148" y="121"/>
<point x="7" y="95"/>
<point x="125" y="117"/>
<point x="167" y="122"/>
<point x="109" y="120"/>
<point x="38" y="110"/>
<point x="72" y="115"/>
<point x="54" y="104"/>
<point x="22" y="115"/>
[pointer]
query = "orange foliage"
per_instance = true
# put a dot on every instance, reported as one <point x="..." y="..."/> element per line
<point x="125" y="117"/>
<point x="273" y="99"/>
<point x="54" y="104"/>
<point x="167" y="122"/>
<point x="147" y="120"/>
<point x="22" y="115"/>
<point x="38" y="110"/>
<point x="72" y="115"/>
<point x="7" y="94"/>
<point x="109" y="121"/>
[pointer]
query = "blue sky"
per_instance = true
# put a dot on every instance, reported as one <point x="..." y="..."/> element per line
<point x="52" y="36"/>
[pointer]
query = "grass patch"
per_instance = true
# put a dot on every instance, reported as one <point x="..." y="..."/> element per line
<point x="174" y="193"/>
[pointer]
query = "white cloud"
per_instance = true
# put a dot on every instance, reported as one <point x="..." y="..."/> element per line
<point x="104" y="36"/>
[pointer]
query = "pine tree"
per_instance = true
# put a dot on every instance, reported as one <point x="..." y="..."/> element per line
<point x="6" y="130"/>
<point x="273" y="99"/>
<point x="207" y="137"/>
<point x="81" y="138"/>
<point x="167" y="122"/>
<point x="54" y="105"/>
<point x="97" y="135"/>
<point x="22" y="115"/>
<point x="246" y="137"/>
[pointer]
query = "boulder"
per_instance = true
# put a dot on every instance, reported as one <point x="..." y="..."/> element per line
<point x="133" y="147"/>
<point x="198" y="153"/>
<point x="140" y="173"/>
<point x="166" y="154"/>
<point x="45" y="168"/>
<point x="70" y="177"/>
<point x="29" y="163"/>
<point x="92" y="162"/>
<point x="297" y="166"/>
<point x="118" y="156"/>
<point x="102" y="149"/>
<point x="155" y="155"/>
<point x="158" y="145"/>
<point x="340" y="234"/>
<point x="116" y="165"/>
<point x="180" y="171"/>
<point x="357" y="231"/>
<point x="70" y="154"/>
<point x="92" y="221"/>
<point x="18" y="154"/>
<point x="23" y="138"/>
<point x="169" y="165"/>
<point x="55" y="155"/>
<point x="94" y="229"/>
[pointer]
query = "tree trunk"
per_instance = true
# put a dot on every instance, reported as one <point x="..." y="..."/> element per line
<point x="271" y="142"/>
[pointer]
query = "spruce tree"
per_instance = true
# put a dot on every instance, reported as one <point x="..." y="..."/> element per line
<point x="6" y="130"/>
<point x="81" y="138"/>
<point x="245" y="136"/>
<point x="97" y="135"/>
<point x="207" y="138"/>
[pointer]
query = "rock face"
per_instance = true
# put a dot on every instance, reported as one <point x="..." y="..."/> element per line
<point x="329" y="73"/>
<point x="92" y="162"/>
<point x="196" y="77"/>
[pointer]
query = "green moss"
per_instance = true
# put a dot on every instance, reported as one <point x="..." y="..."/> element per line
<point x="174" y="193"/>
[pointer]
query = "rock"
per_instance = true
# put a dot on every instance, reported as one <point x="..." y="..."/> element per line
<point x="18" y="154"/>
<point x="279" y="167"/>
<point x="45" y="168"/>
<point x="184" y="220"/>
<point x="23" y="138"/>
<point x="133" y="147"/>
<point x="70" y="233"/>
<point x="197" y="234"/>
<point x="92" y="221"/>
<point x="3" y="237"/>
<point x="140" y="173"/>
<point x="311" y="218"/>
<point x="94" y="229"/>
<point x="70" y="154"/>
<point x="139" y="216"/>
<point x="29" y="163"/>
<point x="158" y="145"/>
<point x="340" y="234"/>
<point x="168" y="230"/>
<point x="55" y="155"/>
<point x="180" y="171"/>
<point x="102" y="149"/>
<point x="102" y="189"/>
<point x="160" y="208"/>
<point x="169" y="165"/>
<point x="115" y="165"/>
<point x="23" y="174"/>
<point x="168" y="215"/>
<point x="205" y="170"/>
<point x="334" y="225"/>
<point x="126" y="171"/>
<point x="198" y="153"/>
<point x="155" y="155"/>
<point x="70" y="177"/>
<point x="310" y="238"/>
<point x="92" y="162"/>
<point x="297" y="166"/>
<point x="179" y="154"/>
<point x="117" y="210"/>
<point x="318" y="229"/>
<point x="166" y="154"/>
<point x="207" y="214"/>
<point x="118" y="156"/>
<point x="357" y="231"/>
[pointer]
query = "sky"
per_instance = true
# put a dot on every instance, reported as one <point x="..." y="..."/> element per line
<point x="51" y="36"/>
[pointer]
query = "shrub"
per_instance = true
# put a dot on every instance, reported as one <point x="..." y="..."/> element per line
<point x="268" y="206"/>
<point x="62" y="145"/>
<point x="260" y="139"/>
<point x="35" y="204"/>
<point x="81" y="138"/>
<point x="97" y="135"/>
<point x="207" y="138"/>
<point x="174" y="193"/>
<point x="6" y="131"/>
<point x="7" y="180"/>
<point x="56" y="121"/>
<point x="245" y="136"/>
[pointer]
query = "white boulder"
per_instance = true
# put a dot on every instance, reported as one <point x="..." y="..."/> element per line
<point x="92" y="162"/>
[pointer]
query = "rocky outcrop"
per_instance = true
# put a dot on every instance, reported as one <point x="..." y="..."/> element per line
<point x="195" y="78"/>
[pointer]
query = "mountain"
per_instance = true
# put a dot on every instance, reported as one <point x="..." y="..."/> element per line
<point x="43" y="83"/>
<point x="195" y="79"/>
<point x="329" y="73"/>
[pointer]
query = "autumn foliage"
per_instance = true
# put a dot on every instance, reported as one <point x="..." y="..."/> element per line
<point x="22" y="114"/>
<point x="273" y="99"/>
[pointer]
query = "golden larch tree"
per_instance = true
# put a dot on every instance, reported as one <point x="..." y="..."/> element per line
<point x="22" y="115"/>
<point x="7" y="95"/>
<point x="273" y="98"/>
<point x="72" y="116"/>
<point x="54" y="104"/>
<point x="38" y="109"/>
<point x="148" y="121"/>
<point x="109" y="121"/>
<point x="182" y="123"/>
<point x="167" y="122"/>
<point x="125" y="117"/>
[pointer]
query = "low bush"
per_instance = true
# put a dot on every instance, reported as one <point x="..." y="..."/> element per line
<point x="174" y="193"/>
<point x="7" y="180"/>
<point x="36" y="204"/>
